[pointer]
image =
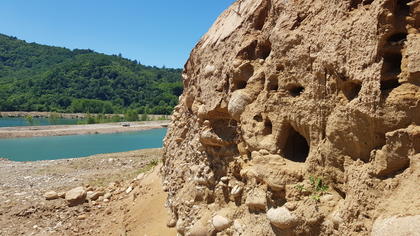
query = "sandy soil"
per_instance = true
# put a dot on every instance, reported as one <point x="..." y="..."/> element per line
<point x="24" y="210"/>
<point x="59" y="130"/>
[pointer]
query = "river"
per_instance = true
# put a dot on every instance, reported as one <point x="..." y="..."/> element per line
<point x="19" y="121"/>
<point x="58" y="147"/>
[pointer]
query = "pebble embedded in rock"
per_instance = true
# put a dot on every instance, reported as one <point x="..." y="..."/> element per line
<point x="220" y="222"/>
<point x="224" y="179"/>
<point x="236" y="191"/>
<point x="282" y="218"/>
<point x="82" y="217"/>
<point x="256" y="199"/>
<point x="129" y="189"/>
<point x="107" y="196"/>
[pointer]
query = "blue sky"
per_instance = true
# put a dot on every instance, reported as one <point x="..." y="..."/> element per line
<point x="154" y="32"/>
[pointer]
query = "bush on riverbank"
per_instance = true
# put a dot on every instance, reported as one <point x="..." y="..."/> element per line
<point x="129" y="116"/>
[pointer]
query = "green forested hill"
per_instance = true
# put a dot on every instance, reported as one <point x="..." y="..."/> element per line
<point x="36" y="77"/>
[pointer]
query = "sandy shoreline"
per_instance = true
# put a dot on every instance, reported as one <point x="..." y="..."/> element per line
<point x="61" y="130"/>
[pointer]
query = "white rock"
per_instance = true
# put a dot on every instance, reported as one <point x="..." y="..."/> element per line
<point x="76" y="196"/>
<point x="129" y="189"/>
<point x="107" y="196"/>
<point x="224" y="179"/>
<point x="220" y="222"/>
<point x="282" y="218"/>
<point x="256" y="199"/>
<point x="51" y="195"/>
<point x="236" y="191"/>
<point x="209" y="69"/>
<point x="237" y="103"/>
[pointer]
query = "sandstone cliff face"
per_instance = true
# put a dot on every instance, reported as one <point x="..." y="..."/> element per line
<point x="283" y="98"/>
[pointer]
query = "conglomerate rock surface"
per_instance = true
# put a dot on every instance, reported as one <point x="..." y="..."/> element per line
<point x="299" y="118"/>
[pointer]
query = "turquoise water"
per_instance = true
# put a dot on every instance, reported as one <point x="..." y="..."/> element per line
<point x="58" y="147"/>
<point x="19" y="121"/>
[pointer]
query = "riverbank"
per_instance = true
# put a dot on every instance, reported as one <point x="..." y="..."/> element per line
<point x="38" y="114"/>
<point x="60" y="130"/>
<point x="134" y="205"/>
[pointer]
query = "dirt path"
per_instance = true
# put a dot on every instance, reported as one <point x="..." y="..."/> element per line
<point x="60" y="130"/>
<point x="140" y="211"/>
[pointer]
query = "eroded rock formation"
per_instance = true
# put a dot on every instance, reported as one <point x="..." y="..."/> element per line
<point x="284" y="98"/>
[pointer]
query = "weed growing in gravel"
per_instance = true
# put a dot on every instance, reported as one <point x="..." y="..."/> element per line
<point x="317" y="187"/>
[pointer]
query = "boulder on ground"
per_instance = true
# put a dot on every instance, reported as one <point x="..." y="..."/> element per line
<point x="76" y="196"/>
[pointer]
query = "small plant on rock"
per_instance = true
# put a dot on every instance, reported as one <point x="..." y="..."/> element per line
<point x="317" y="188"/>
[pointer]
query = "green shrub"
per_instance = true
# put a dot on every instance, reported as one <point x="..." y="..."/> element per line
<point x="317" y="187"/>
<point x="131" y="115"/>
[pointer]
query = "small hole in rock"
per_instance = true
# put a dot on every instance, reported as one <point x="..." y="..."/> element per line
<point x="240" y="84"/>
<point x="351" y="89"/>
<point x="268" y="127"/>
<point x="258" y="118"/>
<point x="396" y="38"/>
<point x="261" y="17"/>
<point x="263" y="49"/>
<point x="389" y="84"/>
<point x="296" y="147"/>
<point x="248" y="52"/>
<point x="402" y="7"/>
<point x="295" y="90"/>
<point x="392" y="63"/>
<point x="273" y="84"/>
<point x="354" y="4"/>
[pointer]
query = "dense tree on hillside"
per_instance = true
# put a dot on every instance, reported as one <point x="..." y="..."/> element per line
<point x="35" y="77"/>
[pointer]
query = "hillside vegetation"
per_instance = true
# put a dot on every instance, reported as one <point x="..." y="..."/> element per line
<point x="36" y="77"/>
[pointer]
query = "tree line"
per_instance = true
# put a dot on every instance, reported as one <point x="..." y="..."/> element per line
<point x="36" y="77"/>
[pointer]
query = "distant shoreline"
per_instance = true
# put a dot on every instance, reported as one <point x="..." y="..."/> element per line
<point x="41" y="114"/>
<point x="63" y="130"/>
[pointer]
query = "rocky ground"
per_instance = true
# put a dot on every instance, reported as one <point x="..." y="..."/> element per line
<point x="60" y="130"/>
<point x="108" y="194"/>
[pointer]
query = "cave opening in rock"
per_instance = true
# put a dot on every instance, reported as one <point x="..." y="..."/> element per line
<point x="389" y="84"/>
<point x="263" y="50"/>
<point x="248" y="52"/>
<point x="296" y="147"/>
<point x="295" y="89"/>
<point x="240" y="84"/>
<point x="392" y="63"/>
<point x="402" y="7"/>
<point x="268" y="127"/>
<point x="351" y="89"/>
<point x="273" y="84"/>
<point x="258" y="118"/>
<point x="261" y="17"/>
<point x="398" y="37"/>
